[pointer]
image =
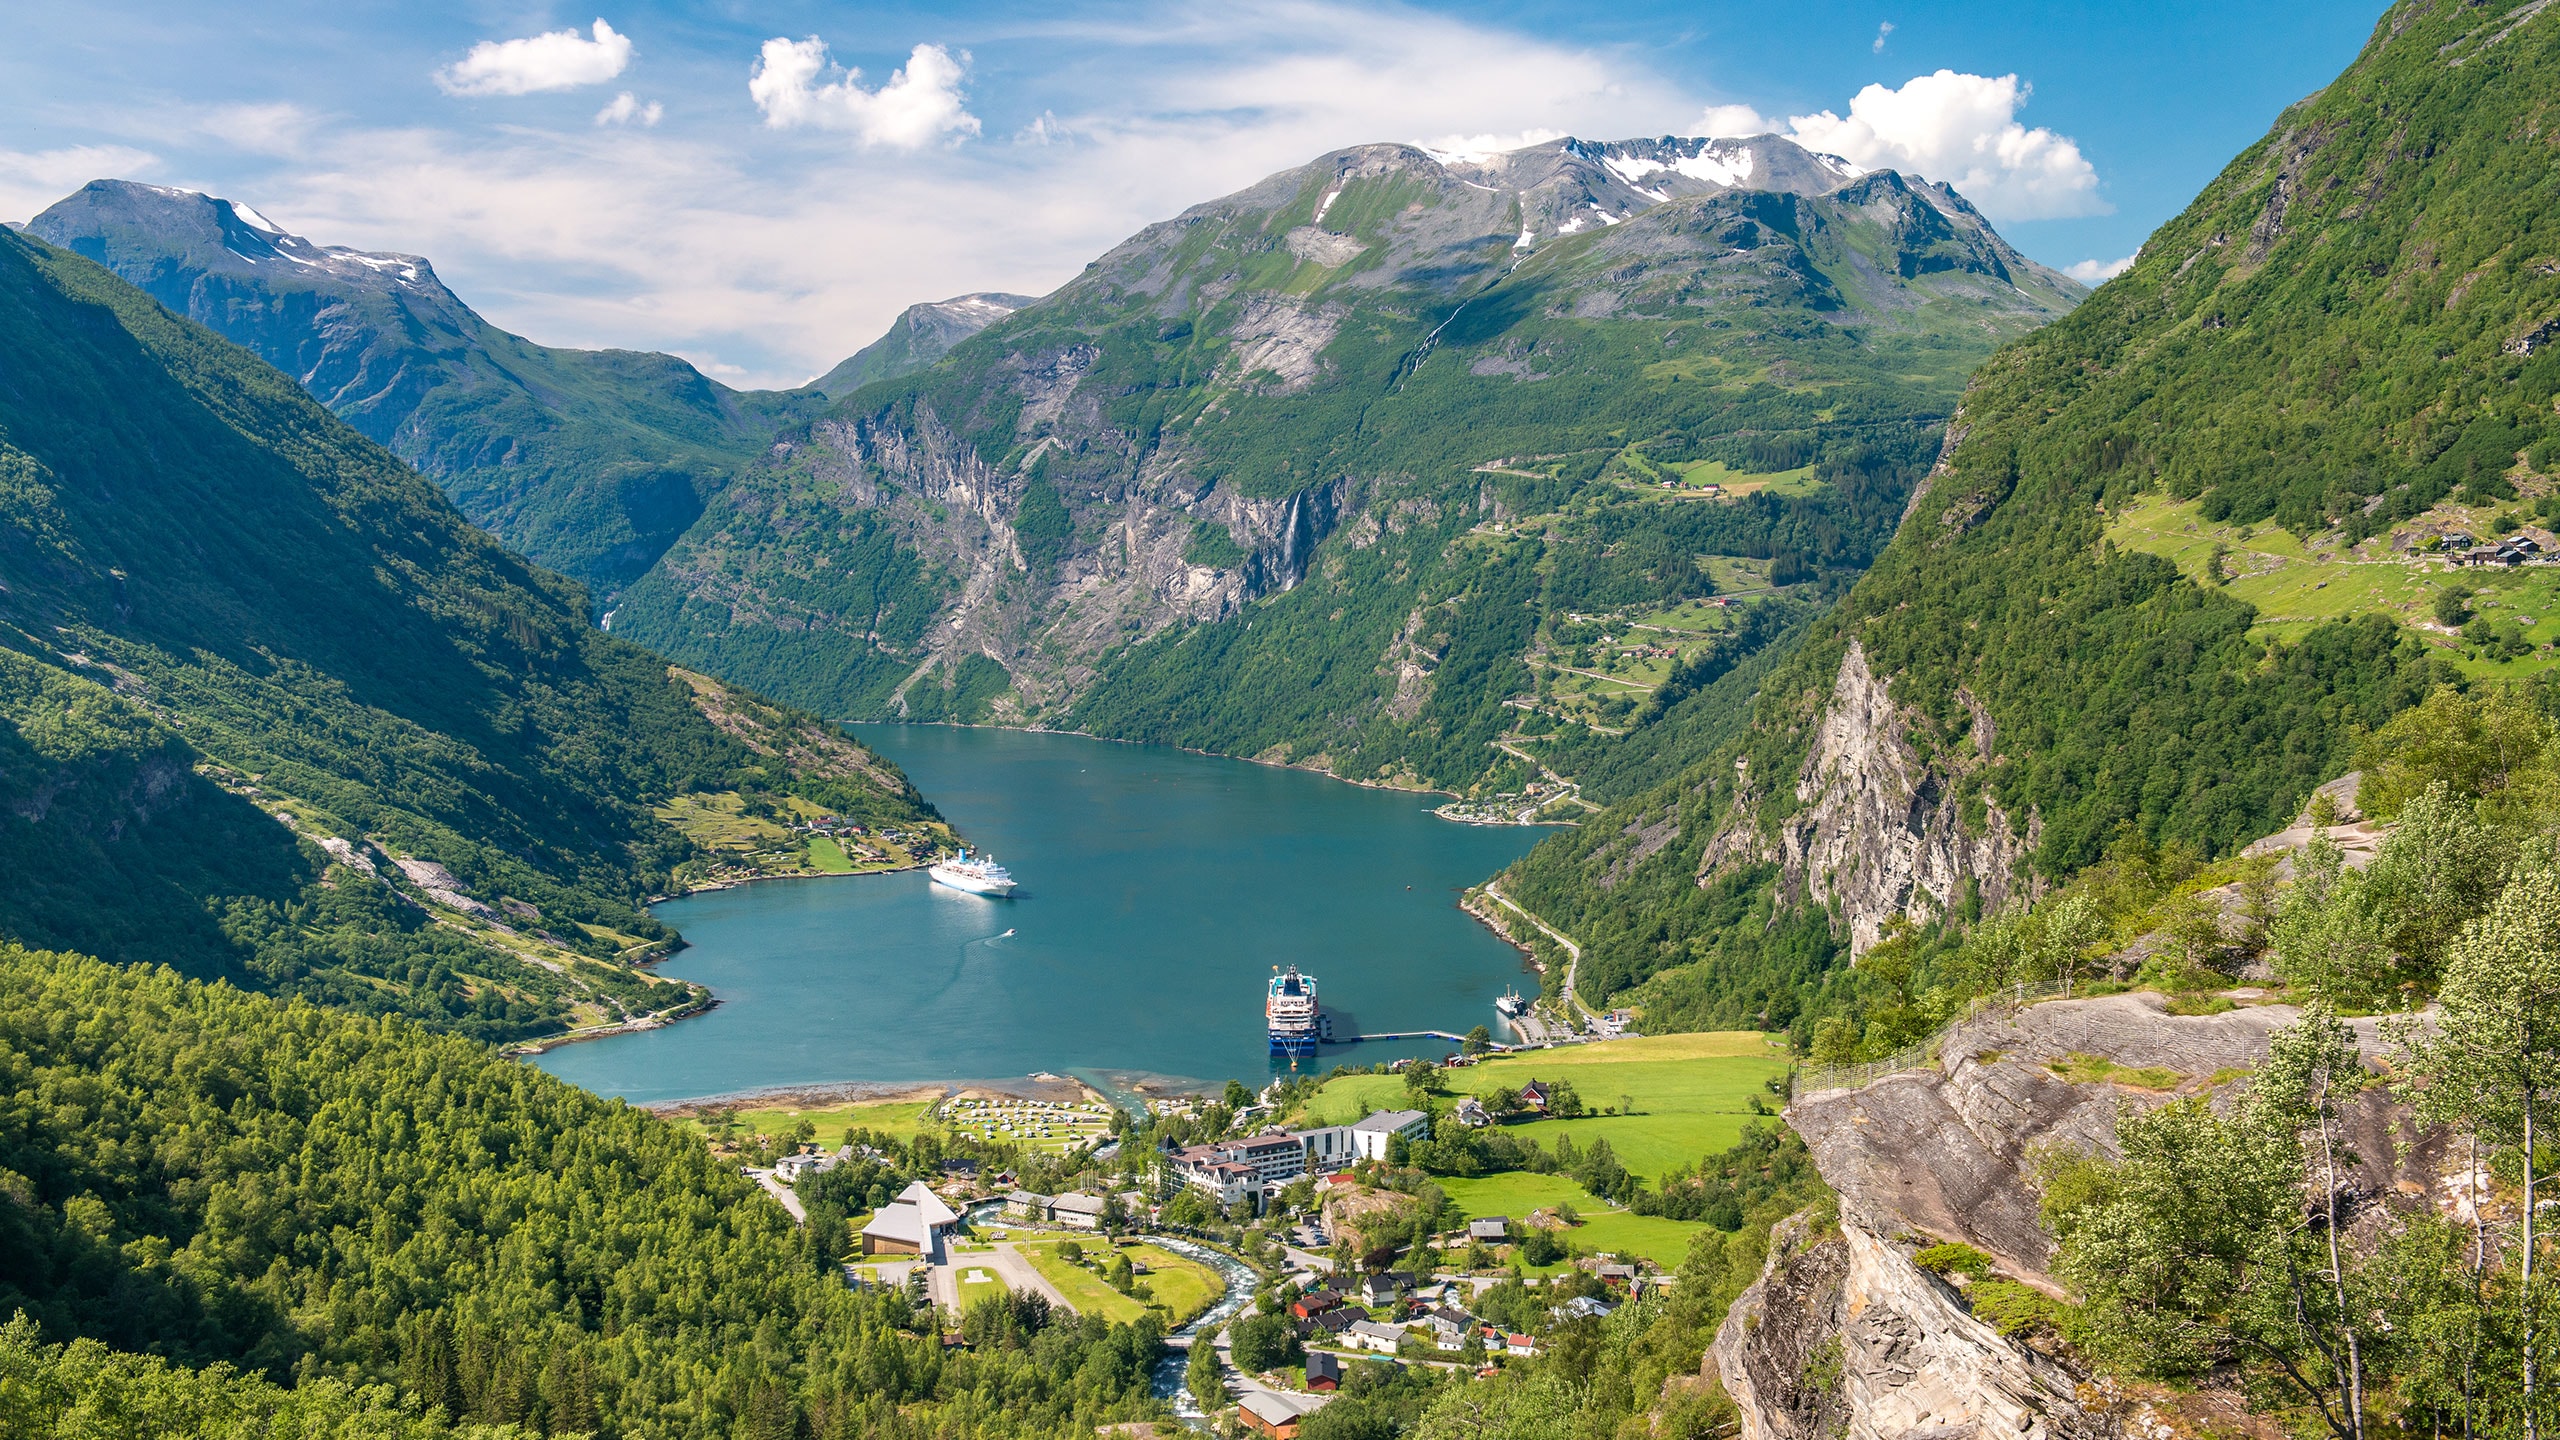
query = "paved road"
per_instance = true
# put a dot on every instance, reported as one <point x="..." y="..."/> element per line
<point x="779" y="1191"/>
<point x="1573" y="952"/>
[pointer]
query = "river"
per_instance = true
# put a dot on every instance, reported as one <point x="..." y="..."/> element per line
<point x="1158" y="890"/>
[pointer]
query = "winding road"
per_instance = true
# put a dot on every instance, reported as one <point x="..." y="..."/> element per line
<point x="1573" y="952"/>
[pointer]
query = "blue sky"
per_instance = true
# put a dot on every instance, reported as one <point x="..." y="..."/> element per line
<point x="783" y="178"/>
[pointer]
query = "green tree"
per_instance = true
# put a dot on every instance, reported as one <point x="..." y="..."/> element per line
<point x="1203" y="1376"/>
<point x="2494" y="1054"/>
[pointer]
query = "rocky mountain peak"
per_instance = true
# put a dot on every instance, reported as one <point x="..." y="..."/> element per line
<point x="116" y="221"/>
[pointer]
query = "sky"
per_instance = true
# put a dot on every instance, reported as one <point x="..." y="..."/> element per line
<point x="762" y="187"/>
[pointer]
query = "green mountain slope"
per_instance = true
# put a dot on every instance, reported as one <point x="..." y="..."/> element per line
<point x="1314" y="471"/>
<point x="271" y="709"/>
<point x="331" y="1201"/>
<point x="2338" y="353"/>
<point x="919" y="336"/>
<point x="590" y="461"/>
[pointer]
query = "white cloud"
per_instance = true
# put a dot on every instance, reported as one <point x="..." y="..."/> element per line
<point x="1962" y="129"/>
<point x="555" y="60"/>
<point x="1732" y="122"/>
<point x="626" y="109"/>
<point x="2097" y="272"/>
<point x="919" y="105"/>
<point x="1481" y="147"/>
<point x="30" y="181"/>
<point x="1882" y="30"/>
<point x="278" y="129"/>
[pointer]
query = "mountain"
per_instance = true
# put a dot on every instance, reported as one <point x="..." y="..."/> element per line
<point x="1316" y="471"/>
<point x="272" y="710"/>
<point x="423" y="1239"/>
<point x="2185" y="548"/>
<point x="921" y="335"/>
<point x="590" y="461"/>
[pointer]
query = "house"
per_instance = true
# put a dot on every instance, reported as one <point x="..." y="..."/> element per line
<point x="1314" y="1303"/>
<point x="1077" y="1210"/>
<point x="1581" y="1306"/>
<point x="1615" y="1274"/>
<point x="1383" y="1288"/>
<point x="1370" y="1136"/>
<point x="1491" y="1229"/>
<point x="1324" y="1372"/>
<point x="1519" y="1345"/>
<point x="916" y="1223"/>
<point x="1472" y="1114"/>
<point x="1533" y="1096"/>
<point x="1370" y="1335"/>
<point x="1026" y="1205"/>
<point x="1335" y="1320"/>
<point x="1277" y="1415"/>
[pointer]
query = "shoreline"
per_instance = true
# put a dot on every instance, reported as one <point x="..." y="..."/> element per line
<point x="743" y="882"/>
<point x="1164" y="745"/>
<point x="829" y="1094"/>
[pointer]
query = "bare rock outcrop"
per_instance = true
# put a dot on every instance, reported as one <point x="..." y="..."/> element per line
<point x="1842" y="1336"/>
<point x="1882" y="830"/>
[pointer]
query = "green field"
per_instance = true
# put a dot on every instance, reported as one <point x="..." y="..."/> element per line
<point x="1692" y="1093"/>
<point x="2296" y="585"/>
<point x="826" y="856"/>
<point x="1182" y="1286"/>
<point x="1515" y="1195"/>
<point x="901" y="1118"/>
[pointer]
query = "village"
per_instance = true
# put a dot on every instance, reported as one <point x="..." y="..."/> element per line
<point x="1288" y="1236"/>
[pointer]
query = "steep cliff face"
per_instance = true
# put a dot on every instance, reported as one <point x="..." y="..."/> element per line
<point x="1884" y="825"/>
<point x="1842" y="1336"/>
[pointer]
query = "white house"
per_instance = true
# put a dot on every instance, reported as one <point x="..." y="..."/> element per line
<point x="1078" y="1210"/>
<point x="1370" y="1335"/>
<point x="1369" y="1137"/>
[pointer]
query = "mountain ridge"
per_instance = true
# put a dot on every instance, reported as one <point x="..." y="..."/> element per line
<point x="1185" y="426"/>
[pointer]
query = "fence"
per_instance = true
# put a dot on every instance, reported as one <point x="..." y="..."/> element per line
<point x="1809" y="1079"/>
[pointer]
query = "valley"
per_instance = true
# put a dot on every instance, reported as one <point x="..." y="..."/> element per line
<point x="2038" y="801"/>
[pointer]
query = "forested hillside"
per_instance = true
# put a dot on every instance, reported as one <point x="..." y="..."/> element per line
<point x="272" y="710"/>
<point x="2344" y="343"/>
<point x="205" y="1176"/>
<point x="1334" y="469"/>
<point x="589" y="461"/>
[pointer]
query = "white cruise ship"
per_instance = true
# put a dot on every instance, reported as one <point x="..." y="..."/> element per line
<point x="976" y="874"/>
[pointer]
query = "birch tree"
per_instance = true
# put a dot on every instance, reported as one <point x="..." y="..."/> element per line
<point x="2492" y="1060"/>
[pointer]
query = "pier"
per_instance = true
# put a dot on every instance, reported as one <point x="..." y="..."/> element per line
<point x="1407" y="1035"/>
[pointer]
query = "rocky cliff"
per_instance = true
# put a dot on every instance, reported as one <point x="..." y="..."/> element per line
<point x="1843" y="1334"/>
<point x="1359" y="342"/>
<point x="1884" y="823"/>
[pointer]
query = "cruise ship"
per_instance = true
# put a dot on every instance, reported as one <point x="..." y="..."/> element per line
<point x="976" y="874"/>
<point x="1292" y="1012"/>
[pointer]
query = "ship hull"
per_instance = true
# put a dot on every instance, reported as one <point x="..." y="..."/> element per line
<point x="1293" y="1045"/>
<point x="971" y="884"/>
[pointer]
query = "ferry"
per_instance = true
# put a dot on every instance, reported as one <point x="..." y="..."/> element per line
<point x="977" y="874"/>
<point x="1510" y="1005"/>
<point x="1292" y="1013"/>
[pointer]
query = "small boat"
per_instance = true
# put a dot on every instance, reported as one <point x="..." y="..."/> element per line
<point x="976" y="874"/>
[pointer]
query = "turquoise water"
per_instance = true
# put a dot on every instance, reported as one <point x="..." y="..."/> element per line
<point x="1158" y="888"/>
